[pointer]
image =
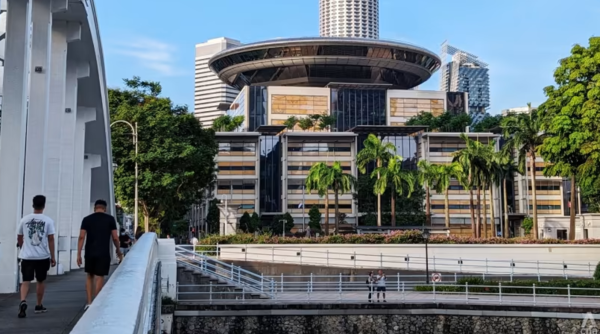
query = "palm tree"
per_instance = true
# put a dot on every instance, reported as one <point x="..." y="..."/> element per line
<point x="291" y="122"/>
<point x="319" y="178"/>
<point x="524" y="135"/>
<point x="395" y="176"/>
<point x="428" y="175"/>
<point x="378" y="151"/>
<point x="341" y="182"/>
<point x="507" y="170"/>
<point x="472" y="161"/>
<point x="305" y="123"/>
<point x="488" y="177"/>
<point x="445" y="174"/>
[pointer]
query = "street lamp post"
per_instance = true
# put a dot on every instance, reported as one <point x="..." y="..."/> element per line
<point x="283" y="221"/>
<point x="134" y="129"/>
<point x="426" y="238"/>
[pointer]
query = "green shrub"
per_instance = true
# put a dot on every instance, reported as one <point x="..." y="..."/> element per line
<point x="245" y="223"/>
<point x="314" y="219"/>
<point x="597" y="272"/>
<point x="527" y="225"/>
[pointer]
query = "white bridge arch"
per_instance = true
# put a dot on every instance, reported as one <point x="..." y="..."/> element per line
<point x="54" y="132"/>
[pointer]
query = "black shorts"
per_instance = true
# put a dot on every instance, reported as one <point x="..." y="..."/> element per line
<point x="97" y="266"/>
<point x="381" y="288"/>
<point x="37" y="268"/>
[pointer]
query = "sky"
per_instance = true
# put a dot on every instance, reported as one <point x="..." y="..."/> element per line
<point x="521" y="40"/>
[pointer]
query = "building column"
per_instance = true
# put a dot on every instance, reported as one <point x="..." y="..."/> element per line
<point x="83" y="115"/>
<point x="13" y="136"/>
<point x="39" y="89"/>
<point x="61" y="136"/>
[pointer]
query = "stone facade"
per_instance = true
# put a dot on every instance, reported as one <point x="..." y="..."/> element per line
<point x="377" y="324"/>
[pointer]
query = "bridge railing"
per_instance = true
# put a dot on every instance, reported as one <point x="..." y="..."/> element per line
<point x="358" y="292"/>
<point x="226" y="272"/>
<point x="372" y="259"/>
<point x="130" y="302"/>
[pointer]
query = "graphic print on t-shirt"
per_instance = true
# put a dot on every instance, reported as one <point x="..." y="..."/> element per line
<point x="35" y="230"/>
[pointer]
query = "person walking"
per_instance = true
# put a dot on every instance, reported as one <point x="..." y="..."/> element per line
<point x="381" y="278"/>
<point x="35" y="236"/>
<point x="97" y="230"/>
<point x="125" y="242"/>
<point x="370" y="285"/>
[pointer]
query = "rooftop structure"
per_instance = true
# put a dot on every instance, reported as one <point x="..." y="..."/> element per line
<point x="317" y="62"/>
<point x="349" y="18"/>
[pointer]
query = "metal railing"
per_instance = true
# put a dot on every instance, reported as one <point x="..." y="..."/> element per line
<point x="306" y="256"/>
<point x="357" y="292"/>
<point x="248" y="281"/>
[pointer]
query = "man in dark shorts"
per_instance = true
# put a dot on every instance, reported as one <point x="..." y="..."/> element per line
<point x="36" y="239"/>
<point x="97" y="230"/>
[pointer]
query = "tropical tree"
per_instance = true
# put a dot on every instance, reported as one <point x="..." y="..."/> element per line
<point x="326" y="122"/>
<point x="175" y="157"/>
<point x="226" y="123"/>
<point x="428" y="175"/>
<point x="305" y="123"/>
<point x="319" y="179"/>
<point x="569" y="118"/>
<point x="341" y="182"/>
<point x="378" y="151"/>
<point x="393" y="175"/>
<point x="445" y="173"/>
<point x="524" y="133"/>
<point x="473" y="161"/>
<point x="245" y="223"/>
<point x="445" y="122"/>
<point x="314" y="219"/>
<point x="290" y="122"/>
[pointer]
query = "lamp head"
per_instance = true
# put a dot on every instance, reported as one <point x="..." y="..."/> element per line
<point x="425" y="234"/>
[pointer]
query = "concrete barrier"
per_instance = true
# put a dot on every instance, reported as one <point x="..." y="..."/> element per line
<point x="555" y="260"/>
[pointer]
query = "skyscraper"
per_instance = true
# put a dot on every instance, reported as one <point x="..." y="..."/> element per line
<point x="209" y="90"/>
<point x="466" y="73"/>
<point x="349" y="18"/>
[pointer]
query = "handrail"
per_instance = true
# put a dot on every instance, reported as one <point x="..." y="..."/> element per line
<point x="227" y="272"/>
<point x="124" y="306"/>
<point x="306" y="256"/>
<point x="354" y="292"/>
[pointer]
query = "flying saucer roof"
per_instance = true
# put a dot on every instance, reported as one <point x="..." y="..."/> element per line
<point x="317" y="62"/>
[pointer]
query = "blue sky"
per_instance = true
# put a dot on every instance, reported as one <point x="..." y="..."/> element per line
<point x="521" y="40"/>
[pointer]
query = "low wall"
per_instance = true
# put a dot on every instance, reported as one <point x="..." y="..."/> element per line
<point x="375" y="319"/>
<point x="579" y="260"/>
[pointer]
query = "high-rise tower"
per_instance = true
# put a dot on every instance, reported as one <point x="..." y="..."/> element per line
<point x="349" y="18"/>
<point x="466" y="73"/>
<point x="209" y="90"/>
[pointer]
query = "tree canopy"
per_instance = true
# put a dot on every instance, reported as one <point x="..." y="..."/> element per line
<point x="446" y="122"/>
<point x="175" y="159"/>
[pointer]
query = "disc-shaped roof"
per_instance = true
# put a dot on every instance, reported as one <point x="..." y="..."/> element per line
<point x="319" y="61"/>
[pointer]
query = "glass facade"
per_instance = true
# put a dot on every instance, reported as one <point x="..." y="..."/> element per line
<point x="476" y="82"/>
<point x="353" y="107"/>
<point x="408" y="148"/>
<point x="270" y="174"/>
<point x="257" y="107"/>
<point x="238" y="108"/>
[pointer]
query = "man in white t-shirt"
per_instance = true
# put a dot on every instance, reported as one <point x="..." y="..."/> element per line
<point x="36" y="239"/>
<point x="381" y="284"/>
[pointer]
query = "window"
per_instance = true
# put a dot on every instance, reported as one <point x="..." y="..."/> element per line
<point x="561" y="234"/>
<point x="237" y="148"/>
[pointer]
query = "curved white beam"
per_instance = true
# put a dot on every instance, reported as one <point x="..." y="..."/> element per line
<point x="55" y="104"/>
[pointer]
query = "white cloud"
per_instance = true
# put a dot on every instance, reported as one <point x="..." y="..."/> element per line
<point x="150" y="53"/>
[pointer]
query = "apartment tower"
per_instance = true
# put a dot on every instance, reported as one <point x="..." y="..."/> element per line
<point x="349" y="18"/>
<point x="209" y="90"/>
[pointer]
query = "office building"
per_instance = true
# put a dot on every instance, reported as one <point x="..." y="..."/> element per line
<point x="349" y="18"/>
<point x="209" y="90"/>
<point x="466" y="73"/>
<point x="367" y="85"/>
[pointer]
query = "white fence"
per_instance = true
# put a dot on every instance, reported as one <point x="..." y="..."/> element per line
<point x="512" y="260"/>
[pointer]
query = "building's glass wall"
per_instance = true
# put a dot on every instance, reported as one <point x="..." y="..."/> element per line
<point x="475" y="81"/>
<point x="238" y="108"/>
<point x="353" y="107"/>
<point x="406" y="147"/>
<point x="270" y="174"/>
<point x="257" y="107"/>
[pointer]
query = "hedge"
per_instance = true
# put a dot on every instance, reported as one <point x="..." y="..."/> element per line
<point x="397" y="237"/>
<point x="541" y="288"/>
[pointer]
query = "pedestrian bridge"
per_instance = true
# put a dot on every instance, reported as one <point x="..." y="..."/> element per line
<point x="55" y="127"/>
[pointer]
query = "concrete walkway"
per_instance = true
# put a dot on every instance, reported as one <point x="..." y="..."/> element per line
<point x="64" y="299"/>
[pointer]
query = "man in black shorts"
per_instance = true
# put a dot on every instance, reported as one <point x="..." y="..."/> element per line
<point x="99" y="228"/>
<point x="36" y="239"/>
